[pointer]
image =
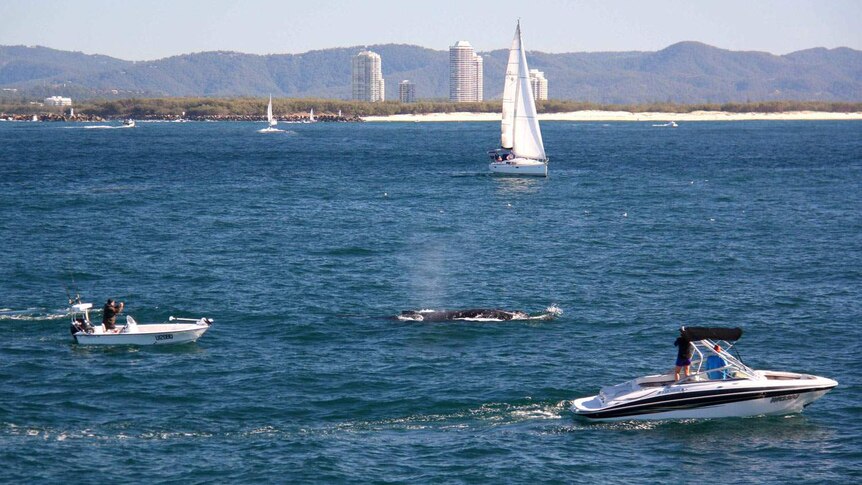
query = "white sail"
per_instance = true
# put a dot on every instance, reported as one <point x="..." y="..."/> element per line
<point x="526" y="135"/>
<point x="311" y="115"/>
<point x="272" y="121"/>
<point x="509" y="91"/>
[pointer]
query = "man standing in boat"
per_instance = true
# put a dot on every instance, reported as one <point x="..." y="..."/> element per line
<point x="683" y="353"/>
<point x="109" y="314"/>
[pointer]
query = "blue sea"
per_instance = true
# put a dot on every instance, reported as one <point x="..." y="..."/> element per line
<point x="303" y="245"/>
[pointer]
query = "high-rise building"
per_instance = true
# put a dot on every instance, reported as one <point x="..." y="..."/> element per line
<point x="58" y="101"/>
<point x="406" y="92"/>
<point x="539" y="84"/>
<point x="465" y="73"/>
<point x="368" y="77"/>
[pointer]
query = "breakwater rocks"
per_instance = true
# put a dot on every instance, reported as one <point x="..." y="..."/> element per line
<point x="48" y="117"/>
<point x="295" y="118"/>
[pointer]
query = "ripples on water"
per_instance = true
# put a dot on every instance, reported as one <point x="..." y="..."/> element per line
<point x="297" y="245"/>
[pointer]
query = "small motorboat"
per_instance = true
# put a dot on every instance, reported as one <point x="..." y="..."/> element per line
<point x="184" y="331"/>
<point x="130" y="123"/>
<point x="720" y="386"/>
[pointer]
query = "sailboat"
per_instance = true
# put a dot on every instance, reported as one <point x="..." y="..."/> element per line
<point x="270" y="119"/>
<point x="311" y="116"/>
<point x="521" y="149"/>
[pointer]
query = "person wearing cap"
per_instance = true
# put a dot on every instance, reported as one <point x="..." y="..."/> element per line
<point x="683" y="354"/>
<point x="109" y="314"/>
<point x="715" y="361"/>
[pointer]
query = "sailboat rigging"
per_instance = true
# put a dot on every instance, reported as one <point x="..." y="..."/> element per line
<point x="521" y="151"/>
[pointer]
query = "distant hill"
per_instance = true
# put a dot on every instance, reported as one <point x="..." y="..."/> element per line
<point x="686" y="72"/>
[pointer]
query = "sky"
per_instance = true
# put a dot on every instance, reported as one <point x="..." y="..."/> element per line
<point x="153" y="29"/>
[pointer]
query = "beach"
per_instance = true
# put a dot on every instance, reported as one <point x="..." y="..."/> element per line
<point x="624" y="116"/>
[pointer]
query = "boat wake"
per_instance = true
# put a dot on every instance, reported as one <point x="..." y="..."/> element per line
<point x="32" y="314"/>
<point x="489" y="414"/>
<point x="476" y="315"/>
<point x="106" y="127"/>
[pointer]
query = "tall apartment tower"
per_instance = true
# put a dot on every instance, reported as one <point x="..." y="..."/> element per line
<point x="368" y="77"/>
<point x="406" y="92"/>
<point x="465" y="73"/>
<point x="539" y="84"/>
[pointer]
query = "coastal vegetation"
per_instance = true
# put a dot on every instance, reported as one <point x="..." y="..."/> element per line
<point x="254" y="108"/>
<point x="685" y="72"/>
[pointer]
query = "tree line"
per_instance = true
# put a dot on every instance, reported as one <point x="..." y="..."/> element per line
<point x="247" y="106"/>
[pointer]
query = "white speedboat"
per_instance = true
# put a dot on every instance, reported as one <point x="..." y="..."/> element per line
<point x="671" y="124"/>
<point x="720" y="386"/>
<point x="129" y="123"/>
<point x="271" y="121"/>
<point x="521" y="149"/>
<point x="132" y="333"/>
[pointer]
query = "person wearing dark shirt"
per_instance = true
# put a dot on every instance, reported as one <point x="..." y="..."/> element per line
<point x="109" y="314"/>
<point x="683" y="355"/>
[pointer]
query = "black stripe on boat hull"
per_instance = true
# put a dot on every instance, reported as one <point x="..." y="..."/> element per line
<point x="693" y="400"/>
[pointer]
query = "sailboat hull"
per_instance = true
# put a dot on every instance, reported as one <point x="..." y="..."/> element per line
<point x="520" y="167"/>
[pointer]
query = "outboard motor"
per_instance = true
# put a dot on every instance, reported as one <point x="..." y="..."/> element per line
<point x="80" y="325"/>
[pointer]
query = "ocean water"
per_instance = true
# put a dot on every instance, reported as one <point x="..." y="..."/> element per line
<point x="302" y="246"/>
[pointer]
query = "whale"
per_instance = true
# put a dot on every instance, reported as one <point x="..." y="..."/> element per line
<point x="468" y="314"/>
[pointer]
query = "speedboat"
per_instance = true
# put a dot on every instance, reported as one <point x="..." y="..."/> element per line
<point x="720" y="386"/>
<point x="184" y="331"/>
<point x="129" y="123"/>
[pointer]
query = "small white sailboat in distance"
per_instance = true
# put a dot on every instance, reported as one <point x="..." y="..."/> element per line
<point x="311" y="116"/>
<point x="521" y="149"/>
<point x="271" y="121"/>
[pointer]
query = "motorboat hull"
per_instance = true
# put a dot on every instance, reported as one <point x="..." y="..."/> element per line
<point x="700" y="401"/>
<point x="150" y="334"/>
<point x="520" y="167"/>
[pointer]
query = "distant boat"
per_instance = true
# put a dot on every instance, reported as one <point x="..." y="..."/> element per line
<point x="35" y="118"/>
<point x="521" y="149"/>
<point x="311" y="116"/>
<point x="671" y="124"/>
<point x="130" y="123"/>
<point x="272" y="122"/>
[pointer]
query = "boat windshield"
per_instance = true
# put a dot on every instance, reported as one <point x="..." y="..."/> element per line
<point x="711" y="364"/>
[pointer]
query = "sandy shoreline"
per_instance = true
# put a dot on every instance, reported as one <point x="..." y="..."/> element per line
<point x="625" y="116"/>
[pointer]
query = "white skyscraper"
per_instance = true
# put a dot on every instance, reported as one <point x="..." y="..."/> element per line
<point x="465" y="73"/>
<point x="368" y="77"/>
<point x="539" y="84"/>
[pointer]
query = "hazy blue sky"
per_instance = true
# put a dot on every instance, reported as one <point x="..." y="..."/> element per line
<point x="151" y="29"/>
